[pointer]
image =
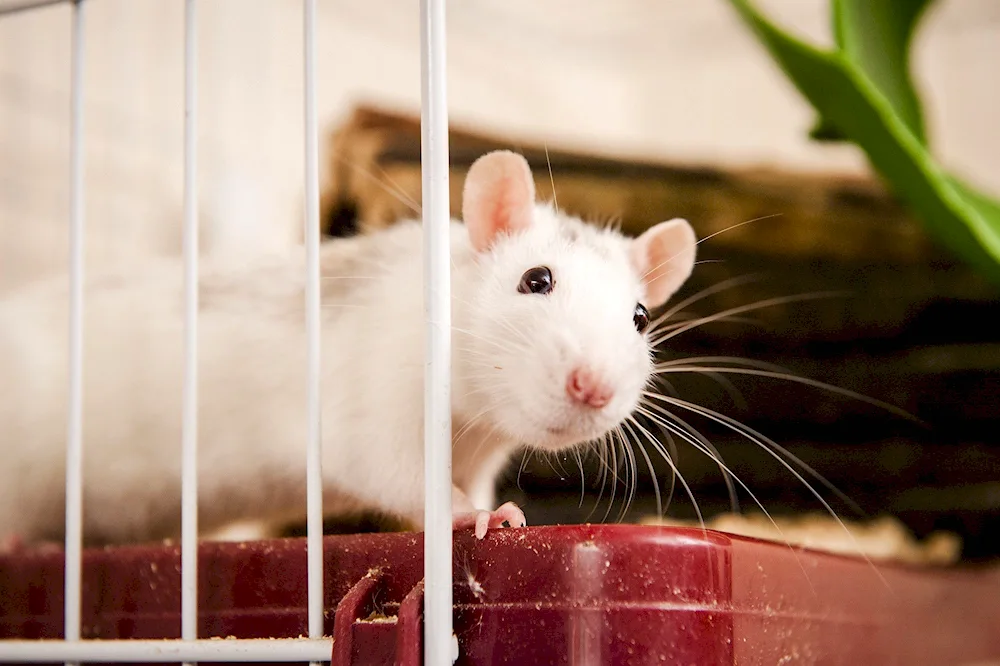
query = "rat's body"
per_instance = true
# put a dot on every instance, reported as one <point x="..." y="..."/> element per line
<point x="548" y="370"/>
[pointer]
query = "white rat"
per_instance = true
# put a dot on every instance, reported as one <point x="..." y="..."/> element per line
<point x="550" y="351"/>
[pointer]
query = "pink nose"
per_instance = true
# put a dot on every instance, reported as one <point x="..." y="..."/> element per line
<point x="587" y="388"/>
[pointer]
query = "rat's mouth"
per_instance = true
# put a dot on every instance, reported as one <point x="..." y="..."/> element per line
<point x="574" y="431"/>
<point x="561" y="434"/>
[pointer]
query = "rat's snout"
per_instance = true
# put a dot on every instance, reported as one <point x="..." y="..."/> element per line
<point x="588" y="388"/>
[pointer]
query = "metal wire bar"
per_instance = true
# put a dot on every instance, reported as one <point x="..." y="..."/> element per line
<point x="189" y="435"/>
<point x="314" y="469"/>
<point x="438" y="640"/>
<point x="438" y="625"/>
<point x="74" y="434"/>
<point x="287" y="650"/>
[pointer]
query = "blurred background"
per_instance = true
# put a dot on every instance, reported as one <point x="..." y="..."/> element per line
<point x="668" y="108"/>
<point x="631" y="79"/>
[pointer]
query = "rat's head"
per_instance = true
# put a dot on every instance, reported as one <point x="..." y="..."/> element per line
<point x="557" y="348"/>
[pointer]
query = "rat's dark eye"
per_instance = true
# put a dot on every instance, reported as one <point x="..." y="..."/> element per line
<point x="537" y="280"/>
<point x="640" y="317"/>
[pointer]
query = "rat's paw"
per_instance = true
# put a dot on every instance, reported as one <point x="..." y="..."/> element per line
<point x="484" y="520"/>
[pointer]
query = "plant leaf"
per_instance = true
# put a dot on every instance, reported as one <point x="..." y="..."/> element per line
<point x="965" y="220"/>
<point x="875" y="36"/>
<point x="823" y="130"/>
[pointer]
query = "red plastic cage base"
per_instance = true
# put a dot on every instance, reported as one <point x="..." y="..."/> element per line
<point x="543" y="595"/>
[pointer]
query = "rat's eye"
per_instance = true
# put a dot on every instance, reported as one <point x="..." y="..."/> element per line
<point x="640" y="317"/>
<point x="537" y="280"/>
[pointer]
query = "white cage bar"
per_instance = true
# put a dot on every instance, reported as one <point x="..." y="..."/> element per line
<point x="288" y="650"/>
<point x="74" y="435"/>
<point x="314" y="472"/>
<point x="189" y="435"/>
<point x="439" y="643"/>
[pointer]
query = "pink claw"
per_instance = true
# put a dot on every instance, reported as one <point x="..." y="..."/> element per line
<point x="484" y="520"/>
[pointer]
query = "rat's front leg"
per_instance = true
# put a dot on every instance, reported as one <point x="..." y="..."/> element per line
<point x="465" y="515"/>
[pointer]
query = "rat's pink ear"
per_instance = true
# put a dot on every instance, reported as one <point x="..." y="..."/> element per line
<point x="499" y="197"/>
<point x="664" y="257"/>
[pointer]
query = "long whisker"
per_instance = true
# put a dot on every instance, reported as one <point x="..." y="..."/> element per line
<point x="736" y="226"/>
<point x="792" y="378"/>
<point x="693" y="317"/>
<point x="649" y="465"/>
<point x="524" y="462"/>
<point x="759" y="439"/>
<point x="713" y="455"/>
<point x="703" y="442"/>
<point x="505" y="344"/>
<point x="680" y="477"/>
<point x="704" y="293"/>
<point x="734" y="393"/>
<point x="400" y="189"/>
<point x="472" y="422"/>
<point x="735" y="360"/>
<point x="599" y="448"/>
<point x="769" y="302"/>
<point x="674" y="455"/>
<point x="767" y="444"/>
<point x="393" y="190"/>
<point x="697" y="440"/>
<point x="602" y="448"/>
<point x="552" y="180"/>
<point x="613" y="449"/>
<point x="699" y="242"/>
<point x="632" y="466"/>
<point x="556" y="456"/>
<point x="619" y="444"/>
<point x="583" y="477"/>
<point x="728" y="386"/>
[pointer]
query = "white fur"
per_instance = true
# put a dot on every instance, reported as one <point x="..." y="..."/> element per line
<point x="512" y="353"/>
<point x="240" y="218"/>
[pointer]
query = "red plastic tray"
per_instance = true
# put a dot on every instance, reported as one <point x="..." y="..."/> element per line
<point x="543" y="595"/>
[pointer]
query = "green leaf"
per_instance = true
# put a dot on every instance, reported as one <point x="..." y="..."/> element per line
<point x="965" y="220"/>
<point x="875" y="36"/>
<point x="824" y="131"/>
